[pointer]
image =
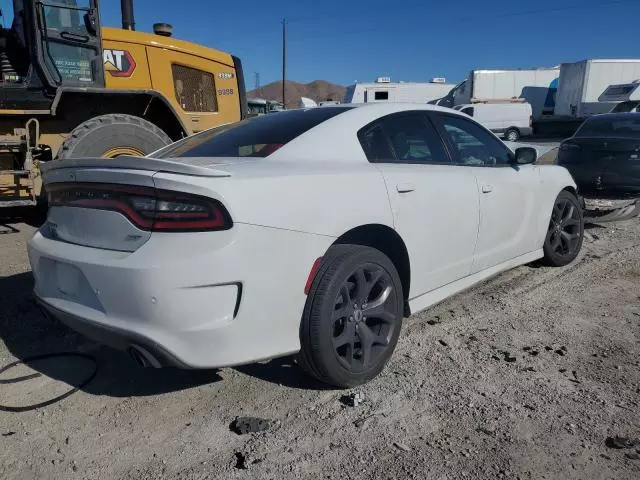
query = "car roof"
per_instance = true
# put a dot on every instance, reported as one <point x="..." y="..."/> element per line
<point x="342" y="128"/>
<point x="394" y="107"/>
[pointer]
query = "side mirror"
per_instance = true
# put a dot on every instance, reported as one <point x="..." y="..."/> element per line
<point x="525" y="155"/>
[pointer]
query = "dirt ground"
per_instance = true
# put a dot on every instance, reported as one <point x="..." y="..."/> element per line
<point x="524" y="376"/>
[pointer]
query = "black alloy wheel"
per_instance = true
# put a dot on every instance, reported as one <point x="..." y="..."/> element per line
<point x="352" y="317"/>
<point x="363" y="319"/>
<point x="564" y="235"/>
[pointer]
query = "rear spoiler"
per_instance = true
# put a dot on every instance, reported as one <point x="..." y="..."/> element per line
<point x="199" y="167"/>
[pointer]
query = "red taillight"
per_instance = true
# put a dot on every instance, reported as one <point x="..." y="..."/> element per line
<point x="312" y="275"/>
<point x="146" y="207"/>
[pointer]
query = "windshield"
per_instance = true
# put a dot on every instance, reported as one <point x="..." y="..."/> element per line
<point x="254" y="137"/>
<point x="625" y="126"/>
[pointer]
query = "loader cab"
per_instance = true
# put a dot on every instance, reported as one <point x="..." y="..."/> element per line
<point x="50" y="44"/>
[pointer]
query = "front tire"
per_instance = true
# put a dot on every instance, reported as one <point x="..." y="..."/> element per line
<point x="352" y="318"/>
<point x="564" y="237"/>
<point x="113" y="135"/>
<point x="512" y="135"/>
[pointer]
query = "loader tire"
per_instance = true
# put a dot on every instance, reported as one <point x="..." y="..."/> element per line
<point x="113" y="135"/>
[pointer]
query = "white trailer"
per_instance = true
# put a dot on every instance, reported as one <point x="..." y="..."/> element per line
<point x="536" y="86"/>
<point x="625" y="97"/>
<point x="385" y="91"/>
<point x="582" y="83"/>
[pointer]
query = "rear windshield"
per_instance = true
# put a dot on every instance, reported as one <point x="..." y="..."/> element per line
<point x="611" y="127"/>
<point x="254" y="137"/>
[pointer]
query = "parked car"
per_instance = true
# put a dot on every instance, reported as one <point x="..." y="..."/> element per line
<point x="312" y="231"/>
<point x="603" y="155"/>
<point x="511" y="120"/>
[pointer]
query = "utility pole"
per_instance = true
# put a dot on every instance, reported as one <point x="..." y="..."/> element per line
<point x="284" y="61"/>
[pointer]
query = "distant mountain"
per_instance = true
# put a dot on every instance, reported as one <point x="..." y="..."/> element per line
<point x="318" y="90"/>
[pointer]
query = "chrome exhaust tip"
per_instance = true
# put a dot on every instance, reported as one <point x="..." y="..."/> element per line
<point x="143" y="357"/>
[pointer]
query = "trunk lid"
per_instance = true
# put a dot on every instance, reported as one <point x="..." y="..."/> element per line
<point x="88" y="198"/>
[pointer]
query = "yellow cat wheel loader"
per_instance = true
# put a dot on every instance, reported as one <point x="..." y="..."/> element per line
<point x="70" y="88"/>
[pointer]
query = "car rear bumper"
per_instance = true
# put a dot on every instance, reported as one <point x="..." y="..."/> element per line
<point x="196" y="300"/>
<point x="114" y="337"/>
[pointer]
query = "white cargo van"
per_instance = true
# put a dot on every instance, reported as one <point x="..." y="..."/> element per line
<point x="536" y="86"/>
<point x="511" y="120"/>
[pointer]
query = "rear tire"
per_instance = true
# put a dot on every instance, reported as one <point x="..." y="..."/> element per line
<point x="564" y="237"/>
<point x="113" y="135"/>
<point x="352" y="318"/>
<point x="512" y="135"/>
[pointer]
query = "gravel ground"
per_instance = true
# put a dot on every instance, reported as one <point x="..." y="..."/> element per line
<point x="524" y="376"/>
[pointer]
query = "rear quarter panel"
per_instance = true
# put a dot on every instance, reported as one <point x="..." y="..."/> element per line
<point x="324" y="199"/>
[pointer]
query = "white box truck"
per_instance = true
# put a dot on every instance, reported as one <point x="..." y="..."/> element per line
<point x="386" y="91"/>
<point x="537" y="86"/>
<point x="582" y="83"/>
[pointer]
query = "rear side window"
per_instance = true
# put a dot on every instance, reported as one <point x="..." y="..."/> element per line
<point x="254" y="137"/>
<point x="195" y="89"/>
<point x="376" y="145"/>
<point x="468" y="111"/>
<point x="403" y="138"/>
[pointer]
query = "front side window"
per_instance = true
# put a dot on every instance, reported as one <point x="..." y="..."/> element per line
<point x="403" y="138"/>
<point x="253" y="137"/>
<point x="472" y="144"/>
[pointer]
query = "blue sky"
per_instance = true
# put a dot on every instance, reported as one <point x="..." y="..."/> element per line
<point x="348" y="40"/>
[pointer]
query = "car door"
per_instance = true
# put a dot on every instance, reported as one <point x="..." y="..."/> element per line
<point x="434" y="203"/>
<point x="68" y="44"/>
<point x="508" y="192"/>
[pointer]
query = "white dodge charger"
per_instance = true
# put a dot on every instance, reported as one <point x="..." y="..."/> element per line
<point x="310" y="231"/>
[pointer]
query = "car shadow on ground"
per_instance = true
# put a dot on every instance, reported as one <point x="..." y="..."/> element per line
<point x="28" y="335"/>
<point x="283" y="371"/>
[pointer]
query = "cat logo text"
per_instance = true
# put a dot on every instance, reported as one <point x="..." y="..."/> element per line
<point x="119" y="63"/>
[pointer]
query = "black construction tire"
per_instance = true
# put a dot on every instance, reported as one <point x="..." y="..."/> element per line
<point x="317" y="356"/>
<point x="512" y="132"/>
<point x="96" y="136"/>
<point x="551" y="257"/>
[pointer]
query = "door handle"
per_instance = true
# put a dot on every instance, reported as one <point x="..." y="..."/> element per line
<point x="405" y="187"/>
<point x="74" y="37"/>
<point x="487" y="188"/>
